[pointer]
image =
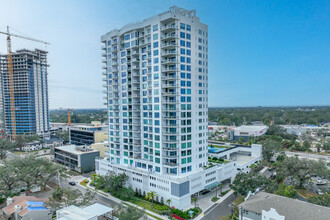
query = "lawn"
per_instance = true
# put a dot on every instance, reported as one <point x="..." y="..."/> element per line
<point x="305" y="193"/>
<point x="218" y="146"/>
<point x="142" y="204"/>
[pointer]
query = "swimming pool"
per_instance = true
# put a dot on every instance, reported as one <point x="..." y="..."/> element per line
<point x="215" y="150"/>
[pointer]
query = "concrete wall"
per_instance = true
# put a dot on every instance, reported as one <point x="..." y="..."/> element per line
<point x="37" y="215"/>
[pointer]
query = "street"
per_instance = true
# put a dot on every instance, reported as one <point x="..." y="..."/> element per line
<point x="98" y="198"/>
<point x="219" y="209"/>
<point x="308" y="155"/>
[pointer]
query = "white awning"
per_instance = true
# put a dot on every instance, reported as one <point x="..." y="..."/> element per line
<point x="97" y="209"/>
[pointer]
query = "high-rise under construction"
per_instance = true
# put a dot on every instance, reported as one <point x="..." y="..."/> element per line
<point x="30" y="92"/>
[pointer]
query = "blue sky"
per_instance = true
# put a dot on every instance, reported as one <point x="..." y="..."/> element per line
<point x="261" y="53"/>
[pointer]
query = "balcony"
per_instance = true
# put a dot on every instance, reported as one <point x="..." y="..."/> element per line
<point x="170" y="148"/>
<point x="167" y="109"/>
<point x="171" y="156"/>
<point x="169" y="27"/>
<point x="169" y="61"/>
<point x="171" y="164"/>
<point x="169" y="69"/>
<point x="170" y="101"/>
<point x="171" y="126"/>
<point x="169" y="45"/>
<point x="169" y="52"/>
<point x="170" y="117"/>
<point x="170" y="140"/>
<point x="169" y="36"/>
<point x="170" y="93"/>
<point x="170" y="85"/>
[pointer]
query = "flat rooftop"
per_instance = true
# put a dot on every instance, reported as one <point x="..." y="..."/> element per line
<point x="73" y="149"/>
<point x="250" y="128"/>
<point x="242" y="159"/>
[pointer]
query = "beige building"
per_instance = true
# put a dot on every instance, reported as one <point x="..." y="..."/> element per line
<point x="103" y="147"/>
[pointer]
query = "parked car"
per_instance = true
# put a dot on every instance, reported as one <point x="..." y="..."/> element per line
<point x="72" y="183"/>
<point x="321" y="182"/>
<point x="318" y="191"/>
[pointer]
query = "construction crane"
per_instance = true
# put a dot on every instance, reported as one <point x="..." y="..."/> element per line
<point x="69" y="114"/>
<point x="11" y="76"/>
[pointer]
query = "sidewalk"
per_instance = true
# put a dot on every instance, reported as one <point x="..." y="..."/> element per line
<point x="109" y="196"/>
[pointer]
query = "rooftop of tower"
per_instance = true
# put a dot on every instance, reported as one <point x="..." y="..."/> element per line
<point x="174" y="10"/>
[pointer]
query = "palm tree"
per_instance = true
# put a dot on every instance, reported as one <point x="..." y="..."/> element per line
<point x="151" y="196"/>
<point x="168" y="202"/>
<point x="194" y="199"/>
<point x="220" y="185"/>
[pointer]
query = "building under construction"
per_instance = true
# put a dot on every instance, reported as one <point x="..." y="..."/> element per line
<point x="30" y="92"/>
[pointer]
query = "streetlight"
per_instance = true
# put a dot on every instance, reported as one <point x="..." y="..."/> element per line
<point x="231" y="206"/>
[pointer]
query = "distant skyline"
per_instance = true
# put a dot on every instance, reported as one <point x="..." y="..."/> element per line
<point x="261" y="53"/>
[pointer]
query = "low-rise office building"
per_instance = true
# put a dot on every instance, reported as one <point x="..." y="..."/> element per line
<point x="267" y="206"/>
<point x="87" y="134"/>
<point x="247" y="131"/>
<point x="79" y="158"/>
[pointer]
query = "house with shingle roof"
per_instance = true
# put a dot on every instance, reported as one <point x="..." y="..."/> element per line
<point x="26" y="208"/>
<point x="267" y="206"/>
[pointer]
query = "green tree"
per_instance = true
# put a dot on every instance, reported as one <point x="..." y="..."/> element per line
<point x="269" y="148"/>
<point x="306" y="146"/>
<point x="287" y="191"/>
<point x="130" y="213"/>
<point x="8" y="177"/>
<point x="62" y="197"/>
<point x="302" y="169"/>
<point x="112" y="182"/>
<point x="5" y="145"/>
<point x="323" y="200"/>
<point x="326" y="146"/>
<point x="151" y="196"/>
<point x="168" y="202"/>
<point x="245" y="182"/>
<point x="64" y="135"/>
<point x="240" y="140"/>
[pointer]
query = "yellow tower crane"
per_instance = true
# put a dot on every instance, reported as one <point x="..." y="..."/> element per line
<point x="11" y="76"/>
<point x="69" y="114"/>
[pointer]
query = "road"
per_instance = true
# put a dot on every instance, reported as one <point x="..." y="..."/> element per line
<point x="98" y="198"/>
<point x="307" y="155"/>
<point x="219" y="209"/>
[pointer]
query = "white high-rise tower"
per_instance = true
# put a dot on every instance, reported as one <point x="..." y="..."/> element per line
<point x="156" y="76"/>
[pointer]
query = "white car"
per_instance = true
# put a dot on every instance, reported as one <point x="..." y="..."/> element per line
<point x="321" y="182"/>
<point x="318" y="191"/>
